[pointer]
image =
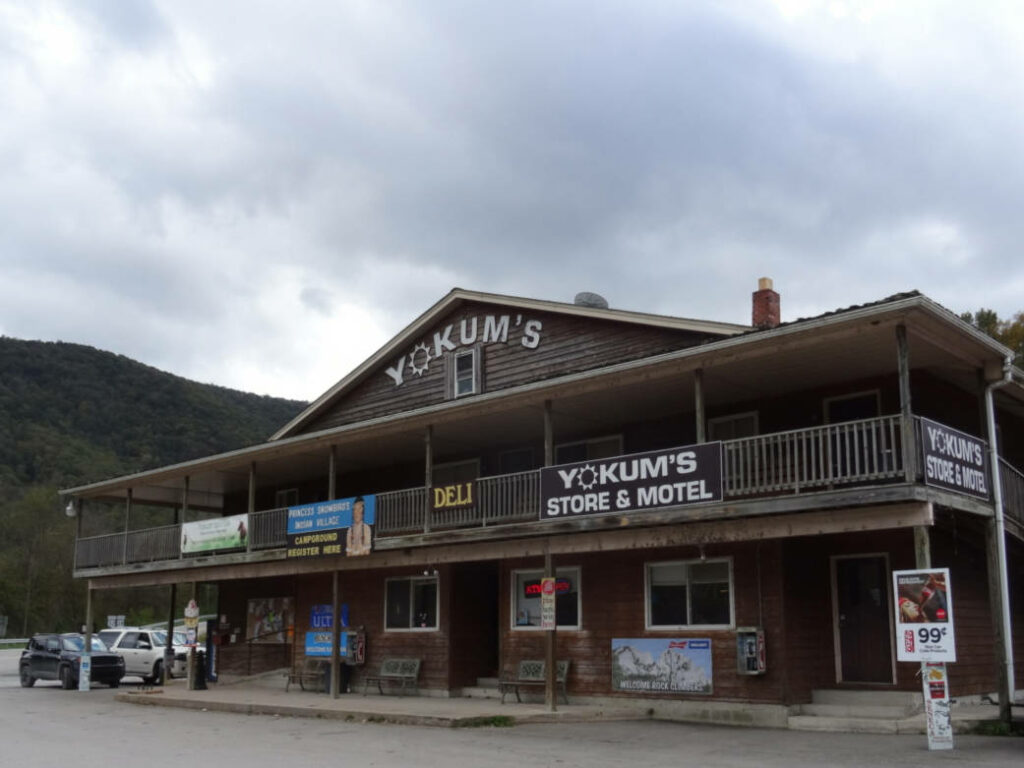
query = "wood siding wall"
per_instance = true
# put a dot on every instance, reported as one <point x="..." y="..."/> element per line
<point x="567" y="345"/>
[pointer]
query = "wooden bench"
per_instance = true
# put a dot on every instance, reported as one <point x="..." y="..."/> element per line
<point x="404" y="672"/>
<point x="532" y="672"/>
<point x="312" y="671"/>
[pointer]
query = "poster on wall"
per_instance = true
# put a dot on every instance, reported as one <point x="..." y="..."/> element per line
<point x="215" y="534"/>
<point x="924" y="615"/>
<point x="269" y="619"/>
<point x="319" y="643"/>
<point x="653" y="480"/>
<point x="338" y="527"/>
<point x="653" y="665"/>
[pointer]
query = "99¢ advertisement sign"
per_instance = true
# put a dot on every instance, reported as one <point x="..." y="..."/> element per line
<point x="924" y="615"/>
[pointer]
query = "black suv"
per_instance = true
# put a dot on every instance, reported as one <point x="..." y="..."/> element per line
<point x="57" y="657"/>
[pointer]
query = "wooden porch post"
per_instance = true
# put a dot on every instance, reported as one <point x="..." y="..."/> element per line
<point x="550" y="668"/>
<point x="550" y="671"/>
<point x="335" y="631"/>
<point x="169" y="645"/>
<point x="84" y="681"/>
<point x="127" y="519"/>
<point x="184" y="502"/>
<point x="549" y="436"/>
<point x="909" y="442"/>
<point x="698" y="404"/>
<point x="428" y="479"/>
<point x="251" y="506"/>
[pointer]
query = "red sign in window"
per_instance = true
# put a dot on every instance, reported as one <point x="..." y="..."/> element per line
<point x="533" y="588"/>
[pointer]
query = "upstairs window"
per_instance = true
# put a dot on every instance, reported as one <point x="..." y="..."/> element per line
<point x="464" y="374"/>
<point x="589" y="450"/>
<point x="289" y="497"/>
<point x="733" y="426"/>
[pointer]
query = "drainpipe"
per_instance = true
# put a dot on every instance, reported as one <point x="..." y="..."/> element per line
<point x="1007" y="681"/>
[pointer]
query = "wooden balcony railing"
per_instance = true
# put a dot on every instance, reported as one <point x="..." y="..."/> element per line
<point x="1012" y="481"/>
<point x="854" y="452"/>
<point x="864" y="452"/>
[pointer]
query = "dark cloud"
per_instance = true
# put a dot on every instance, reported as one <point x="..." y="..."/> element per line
<point x="209" y="174"/>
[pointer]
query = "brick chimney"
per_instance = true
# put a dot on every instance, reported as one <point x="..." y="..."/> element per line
<point x="766" y="312"/>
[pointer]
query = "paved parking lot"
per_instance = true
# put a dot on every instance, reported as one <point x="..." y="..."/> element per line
<point x="45" y="726"/>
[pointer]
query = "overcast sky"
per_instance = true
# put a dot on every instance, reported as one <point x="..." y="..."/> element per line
<point x="260" y="194"/>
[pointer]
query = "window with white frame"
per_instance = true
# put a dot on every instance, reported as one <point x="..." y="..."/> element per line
<point x="464" y="373"/>
<point x="411" y="603"/>
<point x="587" y="450"/>
<point x="733" y="426"/>
<point x="689" y="593"/>
<point x="526" y="598"/>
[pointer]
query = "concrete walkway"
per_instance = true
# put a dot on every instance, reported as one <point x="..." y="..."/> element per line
<point x="266" y="696"/>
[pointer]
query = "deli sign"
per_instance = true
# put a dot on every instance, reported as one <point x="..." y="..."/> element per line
<point x="954" y="460"/>
<point x="653" y="480"/>
<point x="455" y="496"/>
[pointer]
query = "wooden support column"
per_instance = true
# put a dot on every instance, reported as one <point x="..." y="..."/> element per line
<point x="332" y="470"/>
<point x="191" y="679"/>
<point x="127" y="521"/>
<point x="922" y="548"/>
<point x="909" y="442"/>
<point x="169" y="645"/>
<point x="184" y="502"/>
<point x="549" y="436"/>
<point x="550" y="666"/>
<point x="78" y="509"/>
<point x="252" y="487"/>
<point x="84" y="682"/>
<point x="698" y="405"/>
<point x="335" y="629"/>
<point x="428" y="474"/>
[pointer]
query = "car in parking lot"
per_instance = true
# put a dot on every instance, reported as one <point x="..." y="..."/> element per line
<point x="58" y="657"/>
<point x="143" y="651"/>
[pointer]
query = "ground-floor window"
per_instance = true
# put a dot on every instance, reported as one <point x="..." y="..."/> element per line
<point x="411" y="603"/>
<point x="689" y="593"/>
<point x="526" y="598"/>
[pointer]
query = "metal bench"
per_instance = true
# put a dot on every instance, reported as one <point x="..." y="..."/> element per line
<point x="312" y="671"/>
<point x="404" y="672"/>
<point x="532" y="672"/>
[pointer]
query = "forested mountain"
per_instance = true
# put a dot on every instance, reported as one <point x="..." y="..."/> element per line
<point x="70" y="415"/>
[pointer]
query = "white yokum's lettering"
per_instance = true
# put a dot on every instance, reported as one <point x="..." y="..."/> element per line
<point x="484" y="329"/>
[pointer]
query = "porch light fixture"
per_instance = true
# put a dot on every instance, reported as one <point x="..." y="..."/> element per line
<point x="70" y="510"/>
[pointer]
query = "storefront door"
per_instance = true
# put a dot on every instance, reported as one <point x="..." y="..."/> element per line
<point x="863" y="628"/>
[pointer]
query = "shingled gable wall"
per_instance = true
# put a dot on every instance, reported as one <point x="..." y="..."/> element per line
<point x="536" y="346"/>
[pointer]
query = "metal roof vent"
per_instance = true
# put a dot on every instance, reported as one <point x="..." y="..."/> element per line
<point x="587" y="299"/>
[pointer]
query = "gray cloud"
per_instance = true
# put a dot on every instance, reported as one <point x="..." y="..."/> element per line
<point x="203" y="176"/>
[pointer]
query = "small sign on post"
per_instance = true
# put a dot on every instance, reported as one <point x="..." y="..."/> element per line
<point x="547" y="603"/>
<point x="924" y="633"/>
<point x="936" y="705"/>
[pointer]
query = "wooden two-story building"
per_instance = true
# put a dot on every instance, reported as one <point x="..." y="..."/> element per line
<point x="723" y="505"/>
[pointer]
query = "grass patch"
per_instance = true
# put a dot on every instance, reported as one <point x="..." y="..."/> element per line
<point x="496" y="721"/>
<point x="11" y="646"/>
<point x="999" y="728"/>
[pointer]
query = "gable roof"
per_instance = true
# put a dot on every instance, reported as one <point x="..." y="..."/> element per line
<point x="456" y="298"/>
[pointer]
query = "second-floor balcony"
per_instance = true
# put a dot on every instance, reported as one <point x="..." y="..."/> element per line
<point x="830" y="459"/>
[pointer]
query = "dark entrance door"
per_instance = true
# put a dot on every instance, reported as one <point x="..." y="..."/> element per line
<point x="862" y="619"/>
